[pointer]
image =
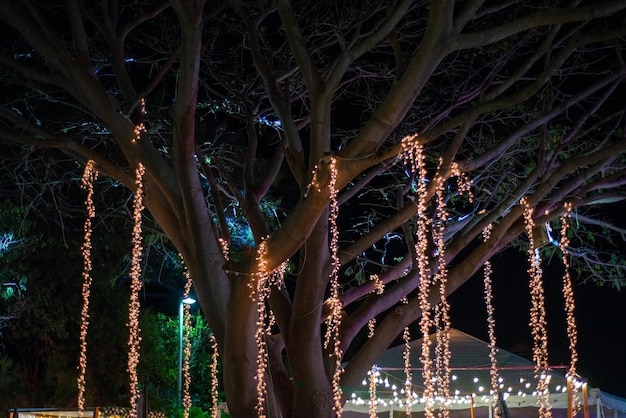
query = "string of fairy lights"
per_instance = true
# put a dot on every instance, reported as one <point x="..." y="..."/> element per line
<point x="568" y="294"/>
<point x="412" y="152"/>
<point x="379" y="288"/>
<point x="442" y="309"/>
<point x="261" y="284"/>
<point x="186" y="378"/>
<point x="373" y="381"/>
<point x="89" y="177"/>
<point x="537" y="313"/>
<point x="134" y="338"/>
<point x="491" y="327"/>
<point x="334" y="321"/>
<point x="469" y="387"/>
<point x="408" y="375"/>
<point x="379" y="285"/>
<point x="215" y="413"/>
<point x="259" y="294"/>
<point x="140" y="128"/>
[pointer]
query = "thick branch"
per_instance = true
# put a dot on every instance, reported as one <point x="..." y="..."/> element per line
<point x="542" y="18"/>
<point x="298" y="46"/>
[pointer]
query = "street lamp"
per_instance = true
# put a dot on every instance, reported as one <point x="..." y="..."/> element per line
<point x="181" y="313"/>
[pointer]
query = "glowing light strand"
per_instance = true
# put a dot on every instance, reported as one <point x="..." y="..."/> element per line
<point x="140" y="128"/>
<point x="464" y="182"/>
<point x="224" y="247"/>
<point x="408" y="375"/>
<point x="413" y="153"/>
<point x="260" y="284"/>
<point x="215" y="412"/>
<point x="89" y="177"/>
<point x="537" y="316"/>
<point x="373" y="380"/>
<point x="491" y="327"/>
<point x="259" y="293"/>
<point x="334" y="321"/>
<point x="379" y="285"/>
<point x="371" y="326"/>
<point x="442" y="310"/>
<point x="134" y="339"/>
<point x="186" y="401"/>
<point x="568" y="295"/>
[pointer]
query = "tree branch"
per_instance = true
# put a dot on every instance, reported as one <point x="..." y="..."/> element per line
<point x="298" y="46"/>
<point x="542" y="18"/>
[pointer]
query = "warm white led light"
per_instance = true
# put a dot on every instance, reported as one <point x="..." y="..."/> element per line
<point x="570" y="306"/>
<point x="89" y="177"/>
<point x="537" y="313"/>
<point x="186" y="378"/>
<point x="412" y="153"/>
<point x="134" y="339"/>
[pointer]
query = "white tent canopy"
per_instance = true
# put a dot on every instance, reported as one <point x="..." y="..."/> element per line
<point x="470" y="387"/>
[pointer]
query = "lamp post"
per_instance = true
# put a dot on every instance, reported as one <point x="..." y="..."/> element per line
<point x="181" y="324"/>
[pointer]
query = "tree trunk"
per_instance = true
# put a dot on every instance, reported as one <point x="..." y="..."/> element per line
<point x="240" y="348"/>
<point x="313" y="395"/>
<point x="313" y="402"/>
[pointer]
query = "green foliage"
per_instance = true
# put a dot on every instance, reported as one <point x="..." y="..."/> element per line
<point x="593" y="255"/>
<point x="158" y="367"/>
<point x="41" y="292"/>
<point x="9" y="379"/>
<point x="13" y="251"/>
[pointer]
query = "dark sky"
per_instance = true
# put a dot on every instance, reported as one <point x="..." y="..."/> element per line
<point x="600" y="317"/>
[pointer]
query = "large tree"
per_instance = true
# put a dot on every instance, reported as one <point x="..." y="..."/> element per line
<point x="288" y="121"/>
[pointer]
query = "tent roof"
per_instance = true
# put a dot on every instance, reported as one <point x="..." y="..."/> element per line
<point x="466" y="352"/>
<point x="470" y="377"/>
<point x="470" y="365"/>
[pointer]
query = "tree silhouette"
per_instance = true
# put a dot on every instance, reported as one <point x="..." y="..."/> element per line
<point x="275" y="117"/>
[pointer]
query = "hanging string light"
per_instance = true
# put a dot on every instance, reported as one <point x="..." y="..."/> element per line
<point x="463" y="181"/>
<point x="408" y="374"/>
<point x="260" y="283"/>
<point x="224" y="247"/>
<point x="186" y="378"/>
<point x="442" y="310"/>
<point x="271" y="321"/>
<point x="412" y="153"/>
<point x="491" y="327"/>
<point x="537" y="315"/>
<point x="371" y="325"/>
<point x="334" y="320"/>
<point x="568" y="295"/>
<point x="373" y="380"/>
<point x="379" y="286"/>
<point x="372" y="373"/>
<point x="259" y="294"/>
<point x="140" y="127"/>
<point x="215" y="412"/>
<point x="134" y="338"/>
<point x="89" y="177"/>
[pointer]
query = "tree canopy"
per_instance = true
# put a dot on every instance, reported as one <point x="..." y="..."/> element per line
<point x="362" y="148"/>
